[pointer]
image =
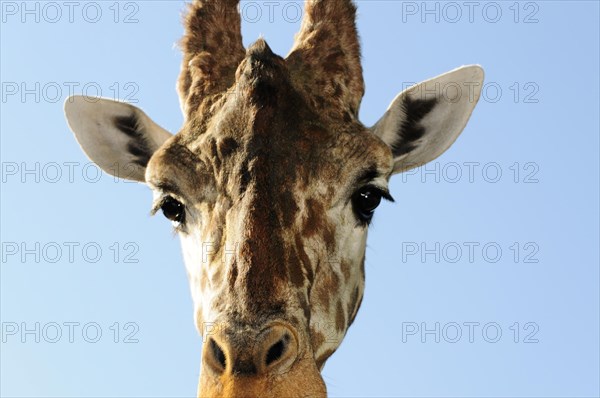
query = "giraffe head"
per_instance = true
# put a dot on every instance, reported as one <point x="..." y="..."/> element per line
<point x="271" y="184"/>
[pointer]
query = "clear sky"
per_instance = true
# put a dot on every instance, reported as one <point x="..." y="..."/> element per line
<point x="482" y="278"/>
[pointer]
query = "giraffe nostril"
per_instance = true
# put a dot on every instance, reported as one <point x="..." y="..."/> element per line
<point x="218" y="354"/>
<point x="277" y="350"/>
<point x="274" y="350"/>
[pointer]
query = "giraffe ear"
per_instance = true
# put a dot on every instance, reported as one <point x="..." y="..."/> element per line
<point x="424" y="121"/>
<point x="118" y="137"/>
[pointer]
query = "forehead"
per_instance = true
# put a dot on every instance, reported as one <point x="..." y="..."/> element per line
<point x="266" y="126"/>
<point x="306" y="154"/>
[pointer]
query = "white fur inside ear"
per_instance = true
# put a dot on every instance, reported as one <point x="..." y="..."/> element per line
<point x="424" y="121"/>
<point x="118" y="137"/>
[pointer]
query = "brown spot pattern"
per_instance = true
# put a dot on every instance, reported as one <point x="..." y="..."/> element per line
<point x="263" y="131"/>
<point x="340" y="319"/>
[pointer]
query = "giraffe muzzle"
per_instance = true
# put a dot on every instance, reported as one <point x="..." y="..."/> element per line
<point x="271" y="351"/>
<point x="273" y="362"/>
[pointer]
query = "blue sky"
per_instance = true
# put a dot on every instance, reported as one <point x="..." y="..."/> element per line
<point x="482" y="278"/>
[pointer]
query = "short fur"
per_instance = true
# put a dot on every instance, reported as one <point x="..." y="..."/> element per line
<point x="266" y="169"/>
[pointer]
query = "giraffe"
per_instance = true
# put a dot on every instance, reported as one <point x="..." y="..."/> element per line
<point x="271" y="184"/>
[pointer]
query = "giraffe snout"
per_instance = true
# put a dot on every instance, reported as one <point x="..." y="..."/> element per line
<point x="271" y="351"/>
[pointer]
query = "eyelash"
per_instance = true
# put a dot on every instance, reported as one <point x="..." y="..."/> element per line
<point x="366" y="200"/>
<point x="173" y="209"/>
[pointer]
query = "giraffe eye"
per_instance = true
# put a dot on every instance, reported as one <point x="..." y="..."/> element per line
<point x="365" y="201"/>
<point x="173" y="209"/>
